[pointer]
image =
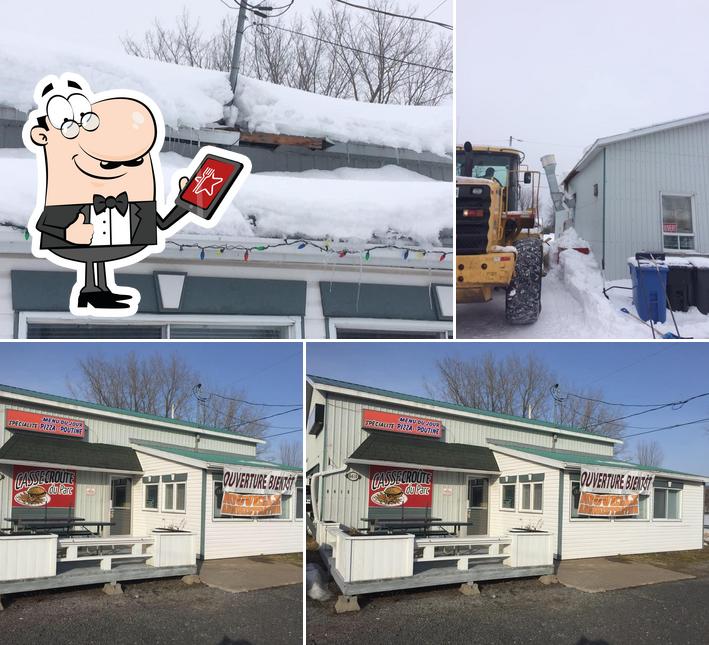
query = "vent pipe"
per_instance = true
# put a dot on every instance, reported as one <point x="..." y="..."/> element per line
<point x="557" y="196"/>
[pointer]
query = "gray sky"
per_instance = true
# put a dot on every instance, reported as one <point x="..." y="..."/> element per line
<point x="90" y="21"/>
<point x="561" y="73"/>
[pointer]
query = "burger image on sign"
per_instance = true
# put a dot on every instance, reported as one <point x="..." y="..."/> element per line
<point x="390" y="496"/>
<point x="33" y="496"/>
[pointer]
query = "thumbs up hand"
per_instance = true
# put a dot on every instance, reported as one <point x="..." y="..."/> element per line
<point x="79" y="232"/>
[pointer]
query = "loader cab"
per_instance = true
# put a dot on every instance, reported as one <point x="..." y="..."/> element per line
<point x="476" y="162"/>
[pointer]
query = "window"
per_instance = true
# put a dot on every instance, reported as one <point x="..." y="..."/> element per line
<point x="174" y="497"/>
<point x="477" y="493"/>
<point x="151" y="497"/>
<point x="299" y="502"/>
<point x="508" y="496"/>
<point x="666" y="504"/>
<point x="532" y="494"/>
<point x="677" y="226"/>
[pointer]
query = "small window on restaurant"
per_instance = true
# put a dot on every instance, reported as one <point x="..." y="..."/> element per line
<point x="508" y="496"/>
<point x="299" y="502"/>
<point x="666" y="504"/>
<point x="677" y="225"/>
<point x="151" y="496"/>
<point x="532" y="495"/>
<point x="174" y="497"/>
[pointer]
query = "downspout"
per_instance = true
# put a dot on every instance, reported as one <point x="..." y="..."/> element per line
<point x="203" y="518"/>
<point x="315" y="499"/>
<point x="603" y="255"/>
<point x="560" y="519"/>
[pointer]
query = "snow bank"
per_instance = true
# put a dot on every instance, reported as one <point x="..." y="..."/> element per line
<point x="193" y="97"/>
<point x="348" y="203"/>
<point x="570" y="239"/>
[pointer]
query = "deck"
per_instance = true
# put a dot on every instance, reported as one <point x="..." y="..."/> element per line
<point x="77" y="574"/>
<point x="432" y="574"/>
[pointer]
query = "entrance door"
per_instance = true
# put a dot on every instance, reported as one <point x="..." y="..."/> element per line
<point x="120" y="505"/>
<point x="477" y="505"/>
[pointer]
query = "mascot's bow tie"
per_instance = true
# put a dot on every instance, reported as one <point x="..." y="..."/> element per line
<point x="101" y="203"/>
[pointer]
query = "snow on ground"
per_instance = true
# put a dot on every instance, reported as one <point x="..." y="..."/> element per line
<point x="573" y="306"/>
<point x="348" y="203"/>
<point x="194" y="97"/>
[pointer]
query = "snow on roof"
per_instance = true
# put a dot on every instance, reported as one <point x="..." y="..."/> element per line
<point x="590" y="152"/>
<point x="348" y="203"/>
<point x="194" y="97"/>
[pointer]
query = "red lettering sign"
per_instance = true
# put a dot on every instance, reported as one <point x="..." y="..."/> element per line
<point x="46" y="423"/>
<point x="37" y="487"/>
<point x="402" y="423"/>
<point x="400" y="487"/>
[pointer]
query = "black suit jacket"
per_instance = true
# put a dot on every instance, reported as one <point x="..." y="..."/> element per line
<point x="144" y="222"/>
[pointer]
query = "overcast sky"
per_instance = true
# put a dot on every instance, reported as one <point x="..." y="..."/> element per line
<point x="559" y="74"/>
<point x="104" y="23"/>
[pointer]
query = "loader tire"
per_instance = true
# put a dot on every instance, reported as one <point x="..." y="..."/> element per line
<point x="523" y="301"/>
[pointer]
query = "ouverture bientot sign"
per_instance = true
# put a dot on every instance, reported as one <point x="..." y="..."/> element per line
<point x="612" y="492"/>
<point x="255" y="492"/>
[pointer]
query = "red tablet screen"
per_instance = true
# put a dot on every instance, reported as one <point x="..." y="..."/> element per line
<point x="211" y="179"/>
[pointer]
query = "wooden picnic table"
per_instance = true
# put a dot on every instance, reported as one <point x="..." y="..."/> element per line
<point x="67" y="527"/>
<point x="425" y="526"/>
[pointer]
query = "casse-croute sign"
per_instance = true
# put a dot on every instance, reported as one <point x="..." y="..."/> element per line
<point x="255" y="492"/>
<point x="402" y="423"/>
<point x="43" y="487"/>
<point x="400" y="487"/>
<point x="616" y="481"/>
<point x="48" y="424"/>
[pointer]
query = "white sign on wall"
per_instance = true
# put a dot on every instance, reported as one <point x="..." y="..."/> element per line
<point x="616" y="481"/>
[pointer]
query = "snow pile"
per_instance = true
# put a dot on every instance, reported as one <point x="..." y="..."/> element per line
<point x="271" y="108"/>
<point x="570" y="239"/>
<point x="348" y="203"/>
<point x="194" y="97"/>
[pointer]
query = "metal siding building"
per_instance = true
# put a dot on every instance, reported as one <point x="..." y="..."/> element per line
<point x="670" y="159"/>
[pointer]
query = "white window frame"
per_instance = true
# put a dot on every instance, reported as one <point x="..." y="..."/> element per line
<point x="291" y="325"/>
<point x="531" y="508"/>
<point x="694" y="225"/>
<point x="145" y="490"/>
<point x="174" y="497"/>
<point x="502" y="497"/>
<point x="679" y="492"/>
<point x="390" y="325"/>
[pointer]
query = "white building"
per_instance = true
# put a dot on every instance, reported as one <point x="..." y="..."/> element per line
<point x="137" y="472"/>
<point x="491" y="480"/>
<point x="346" y="216"/>
<point x="644" y="190"/>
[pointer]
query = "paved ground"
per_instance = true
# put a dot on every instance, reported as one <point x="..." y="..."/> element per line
<point x="600" y="574"/>
<point x="522" y="612"/>
<point x="165" y="611"/>
<point x="248" y="574"/>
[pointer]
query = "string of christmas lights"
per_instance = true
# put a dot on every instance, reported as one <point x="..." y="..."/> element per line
<point x="327" y="246"/>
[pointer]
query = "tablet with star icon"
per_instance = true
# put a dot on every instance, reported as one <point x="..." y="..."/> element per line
<point x="208" y="186"/>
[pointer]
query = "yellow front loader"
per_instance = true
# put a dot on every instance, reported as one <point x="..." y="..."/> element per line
<point x="497" y="244"/>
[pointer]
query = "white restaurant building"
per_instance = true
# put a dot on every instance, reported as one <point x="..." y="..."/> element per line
<point x="501" y="475"/>
<point x="137" y="472"/>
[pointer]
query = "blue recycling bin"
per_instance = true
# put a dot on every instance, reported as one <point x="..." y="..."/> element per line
<point x="649" y="289"/>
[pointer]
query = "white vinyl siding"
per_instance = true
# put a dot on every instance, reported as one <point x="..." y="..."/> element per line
<point x="589" y="538"/>
<point x="230" y="538"/>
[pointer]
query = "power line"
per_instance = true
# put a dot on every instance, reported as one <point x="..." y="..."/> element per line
<point x="562" y="397"/>
<point x="396" y="15"/>
<point x="354" y="49"/>
<point x="676" y="425"/>
<point x="236" y="426"/>
<point x="280" y="434"/>
<point x="438" y="6"/>
<point x="625" y="367"/>
<point x="197" y="389"/>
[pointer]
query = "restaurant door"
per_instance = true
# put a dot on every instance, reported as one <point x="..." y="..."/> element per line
<point x="120" y="505"/>
<point x="477" y="505"/>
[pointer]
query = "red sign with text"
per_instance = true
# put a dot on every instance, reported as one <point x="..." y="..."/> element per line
<point x="46" y="423"/>
<point x="400" y="487"/>
<point x="34" y="487"/>
<point x="402" y="423"/>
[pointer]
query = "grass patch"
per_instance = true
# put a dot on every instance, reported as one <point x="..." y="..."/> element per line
<point x="695" y="562"/>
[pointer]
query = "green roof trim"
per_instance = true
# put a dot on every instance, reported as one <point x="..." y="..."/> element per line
<point x="582" y="458"/>
<point x="73" y="453"/>
<point x="105" y="408"/>
<point x="427" y="453"/>
<point x="452" y="406"/>
<point x="212" y="456"/>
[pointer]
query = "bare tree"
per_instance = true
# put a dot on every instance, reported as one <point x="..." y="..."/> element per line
<point x="290" y="453"/>
<point x="164" y="386"/>
<point x="520" y="387"/>
<point x="649" y="453"/>
<point x="359" y="55"/>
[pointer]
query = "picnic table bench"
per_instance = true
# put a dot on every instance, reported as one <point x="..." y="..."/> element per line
<point x="434" y="549"/>
<point x="79" y="549"/>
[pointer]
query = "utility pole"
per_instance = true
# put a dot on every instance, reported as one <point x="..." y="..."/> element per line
<point x="236" y="53"/>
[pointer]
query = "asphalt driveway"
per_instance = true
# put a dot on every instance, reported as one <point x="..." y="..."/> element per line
<point x="522" y="612"/>
<point x="165" y="611"/>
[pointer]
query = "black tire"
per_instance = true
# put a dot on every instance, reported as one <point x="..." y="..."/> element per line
<point x="523" y="302"/>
